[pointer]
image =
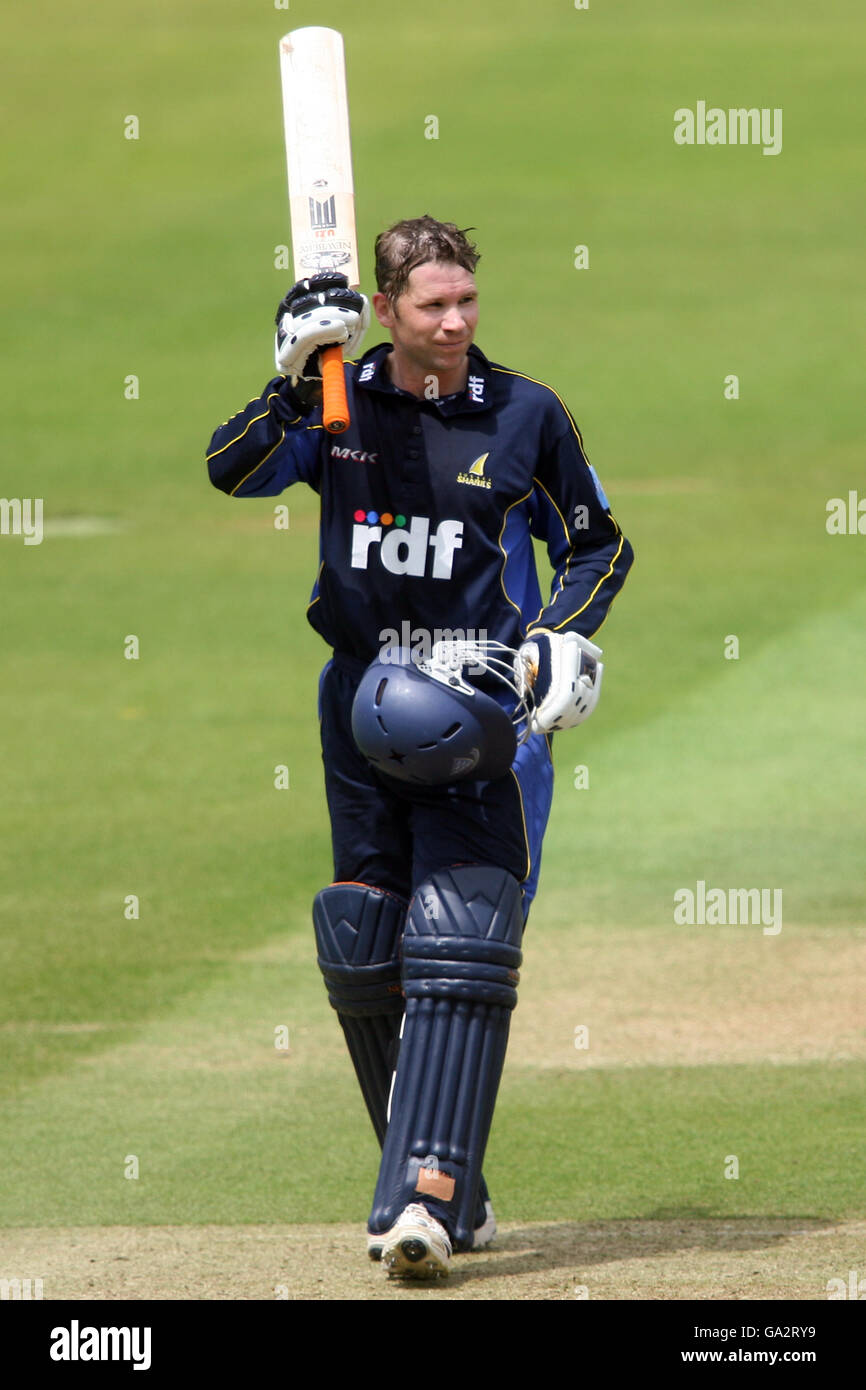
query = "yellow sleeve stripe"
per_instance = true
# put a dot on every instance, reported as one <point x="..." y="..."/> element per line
<point x="240" y="412"/>
<point x="318" y="596"/>
<point x="272" y="397"/>
<point x="607" y="575"/>
<point x="259" y="464"/>
<point x="505" y="553"/>
<point x="540" y="484"/>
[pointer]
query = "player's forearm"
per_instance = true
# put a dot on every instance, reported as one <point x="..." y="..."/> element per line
<point x="587" y="581"/>
<point x="266" y="446"/>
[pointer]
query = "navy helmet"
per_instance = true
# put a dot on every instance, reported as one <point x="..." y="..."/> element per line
<point x="422" y="721"/>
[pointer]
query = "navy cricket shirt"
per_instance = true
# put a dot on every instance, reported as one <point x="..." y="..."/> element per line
<point x="428" y="507"/>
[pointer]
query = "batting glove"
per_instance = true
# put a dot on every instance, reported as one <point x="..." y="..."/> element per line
<point x="317" y="313"/>
<point x="563" y="673"/>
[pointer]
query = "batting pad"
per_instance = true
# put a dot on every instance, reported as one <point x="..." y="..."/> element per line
<point x="461" y="953"/>
<point x="358" y="933"/>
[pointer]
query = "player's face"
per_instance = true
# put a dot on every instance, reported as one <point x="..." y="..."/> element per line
<point x="433" y="322"/>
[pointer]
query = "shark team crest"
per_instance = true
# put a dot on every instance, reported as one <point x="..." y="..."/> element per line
<point x="474" y="475"/>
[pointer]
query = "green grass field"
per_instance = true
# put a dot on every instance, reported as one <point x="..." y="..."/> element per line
<point x="153" y="1035"/>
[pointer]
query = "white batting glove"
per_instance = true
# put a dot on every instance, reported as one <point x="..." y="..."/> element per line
<point x="317" y="313"/>
<point x="563" y="673"/>
<point x="298" y="340"/>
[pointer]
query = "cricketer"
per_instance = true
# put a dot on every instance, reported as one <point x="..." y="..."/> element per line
<point x="438" y="782"/>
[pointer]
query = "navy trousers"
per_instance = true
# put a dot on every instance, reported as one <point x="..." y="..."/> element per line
<point x="393" y="835"/>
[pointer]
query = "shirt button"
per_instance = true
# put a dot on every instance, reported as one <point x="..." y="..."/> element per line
<point x="416" y="429"/>
<point x="412" y="453"/>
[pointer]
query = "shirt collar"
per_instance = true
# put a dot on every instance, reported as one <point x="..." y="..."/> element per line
<point x="477" y="395"/>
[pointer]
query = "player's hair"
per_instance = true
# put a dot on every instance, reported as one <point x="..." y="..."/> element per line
<point x="415" y="242"/>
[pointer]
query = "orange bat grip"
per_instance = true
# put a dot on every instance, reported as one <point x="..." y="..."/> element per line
<point x="336" y="407"/>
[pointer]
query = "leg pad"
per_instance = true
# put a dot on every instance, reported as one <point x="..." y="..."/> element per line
<point x="358" y="932"/>
<point x="461" y="952"/>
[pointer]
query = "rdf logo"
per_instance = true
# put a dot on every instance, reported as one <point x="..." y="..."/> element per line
<point x="403" y="549"/>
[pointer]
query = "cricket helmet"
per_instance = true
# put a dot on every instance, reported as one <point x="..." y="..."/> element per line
<point x="422" y="721"/>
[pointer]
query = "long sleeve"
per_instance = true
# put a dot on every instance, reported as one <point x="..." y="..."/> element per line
<point x="267" y="446"/>
<point x="589" y="553"/>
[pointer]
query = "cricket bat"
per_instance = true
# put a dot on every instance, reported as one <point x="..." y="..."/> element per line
<point x="321" y="191"/>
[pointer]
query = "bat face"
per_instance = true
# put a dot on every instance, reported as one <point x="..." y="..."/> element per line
<point x="318" y="153"/>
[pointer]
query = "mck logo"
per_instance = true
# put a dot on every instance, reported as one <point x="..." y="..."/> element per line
<point x="404" y="549"/>
<point x="356" y="455"/>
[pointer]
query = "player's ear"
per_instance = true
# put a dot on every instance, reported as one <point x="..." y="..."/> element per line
<point x="383" y="309"/>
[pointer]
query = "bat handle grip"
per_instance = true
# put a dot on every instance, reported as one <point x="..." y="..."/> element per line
<point x="336" y="408"/>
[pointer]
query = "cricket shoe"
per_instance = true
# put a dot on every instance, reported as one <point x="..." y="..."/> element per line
<point x="482" y="1236"/>
<point x="417" y="1245"/>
